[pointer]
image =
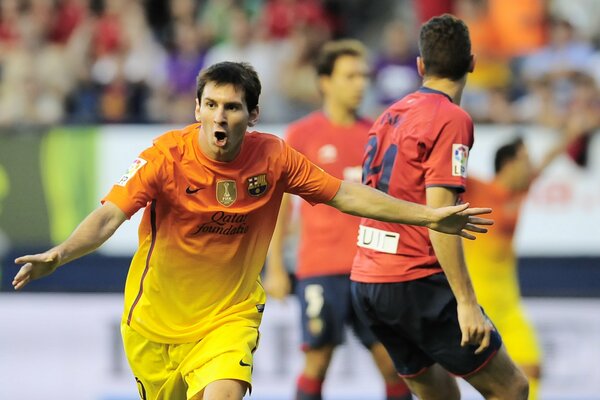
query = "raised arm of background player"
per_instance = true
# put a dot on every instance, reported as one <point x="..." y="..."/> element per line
<point x="277" y="281"/>
<point x="448" y="249"/>
<point x="575" y="128"/>
<point x="351" y="198"/>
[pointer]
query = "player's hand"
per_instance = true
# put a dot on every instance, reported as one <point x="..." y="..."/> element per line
<point x="459" y="219"/>
<point x="475" y="327"/>
<point x="277" y="282"/>
<point x="35" y="266"/>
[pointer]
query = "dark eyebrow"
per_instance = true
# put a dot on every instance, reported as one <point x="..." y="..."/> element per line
<point x="228" y="104"/>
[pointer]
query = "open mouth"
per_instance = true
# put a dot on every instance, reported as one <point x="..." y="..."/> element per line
<point x="221" y="138"/>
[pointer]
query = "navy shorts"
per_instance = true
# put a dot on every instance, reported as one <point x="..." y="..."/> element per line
<point x="417" y="322"/>
<point x="326" y="308"/>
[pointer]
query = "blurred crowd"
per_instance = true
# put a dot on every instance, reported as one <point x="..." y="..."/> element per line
<point x="135" y="61"/>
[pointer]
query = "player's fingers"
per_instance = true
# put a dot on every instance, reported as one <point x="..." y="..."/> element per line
<point x="466" y="235"/>
<point x="20" y="284"/>
<point x="480" y="221"/>
<point x="485" y="342"/>
<point x="475" y="228"/>
<point x="461" y="207"/>
<point x="24" y="271"/>
<point x="44" y="257"/>
<point x="24" y="259"/>
<point x="22" y="277"/>
<point x="477" y="211"/>
<point x="465" y="338"/>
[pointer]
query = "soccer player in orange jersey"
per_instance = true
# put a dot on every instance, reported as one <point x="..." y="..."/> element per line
<point x="333" y="138"/>
<point x="411" y="285"/>
<point x="211" y="192"/>
<point x="492" y="262"/>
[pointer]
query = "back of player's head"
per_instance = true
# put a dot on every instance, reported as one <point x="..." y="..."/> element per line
<point x="239" y="74"/>
<point x="331" y="51"/>
<point x="507" y="153"/>
<point x="445" y="47"/>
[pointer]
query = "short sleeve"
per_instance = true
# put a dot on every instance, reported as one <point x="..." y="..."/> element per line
<point x="307" y="180"/>
<point x="138" y="186"/>
<point x="446" y="163"/>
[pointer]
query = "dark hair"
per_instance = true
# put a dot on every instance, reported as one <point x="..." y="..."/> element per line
<point x="507" y="153"/>
<point x="333" y="50"/>
<point x="239" y="74"/>
<point x="445" y="47"/>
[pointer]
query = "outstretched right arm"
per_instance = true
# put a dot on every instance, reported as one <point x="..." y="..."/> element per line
<point x="95" y="229"/>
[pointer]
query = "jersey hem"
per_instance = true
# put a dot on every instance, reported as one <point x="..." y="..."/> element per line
<point x="364" y="278"/>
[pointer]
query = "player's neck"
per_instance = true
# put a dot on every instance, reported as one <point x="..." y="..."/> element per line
<point x="452" y="88"/>
<point x="339" y="115"/>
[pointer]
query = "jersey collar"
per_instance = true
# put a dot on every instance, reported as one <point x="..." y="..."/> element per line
<point x="424" y="89"/>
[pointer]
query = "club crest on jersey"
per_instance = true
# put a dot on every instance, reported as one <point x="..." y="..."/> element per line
<point x="257" y="185"/>
<point x="460" y="157"/>
<point x="226" y="192"/>
<point x="133" y="168"/>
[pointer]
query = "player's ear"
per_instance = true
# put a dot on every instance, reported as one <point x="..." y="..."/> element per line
<point x="253" y="117"/>
<point x="323" y="83"/>
<point x="420" y="67"/>
<point x="197" y="110"/>
<point x="472" y="63"/>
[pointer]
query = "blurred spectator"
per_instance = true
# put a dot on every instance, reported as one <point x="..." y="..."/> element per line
<point x="9" y="23"/>
<point x="539" y="105"/>
<point x="281" y="18"/>
<point x="297" y="75"/>
<point x="124" y="54"/>
<point x="492" y="66"/>
<point x="244" y="44"/>
<point x="426" y="9"/>
<point x="564" y="54"/>
<point x="29" y="94"/>
<point x="395" y="67"/>
<point x="184" y="61"/>
<point x="214" y="19"/>
<point x="104" y="62"/>
<point x="583" y="14"/>
<point x="519" y="25"/>
<point x="68" y="16"/>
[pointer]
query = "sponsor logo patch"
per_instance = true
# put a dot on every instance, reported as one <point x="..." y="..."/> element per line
<point x="226" y="192"/>
<point x="133" y="168"/>
<point x="377" y="239"/>
<point x="257" y="185"/>
<point x="460" y="157"/>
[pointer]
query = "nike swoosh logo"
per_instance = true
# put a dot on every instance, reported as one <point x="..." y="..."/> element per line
<point x="188" y="190"/>
<point x="243" y="364"/>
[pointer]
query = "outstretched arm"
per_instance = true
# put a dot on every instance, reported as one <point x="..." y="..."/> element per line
<point x="362" y="200"/>
<point x="95" y="229"/>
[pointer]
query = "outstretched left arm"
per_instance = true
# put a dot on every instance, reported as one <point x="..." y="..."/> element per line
<point x="364" y="201"/>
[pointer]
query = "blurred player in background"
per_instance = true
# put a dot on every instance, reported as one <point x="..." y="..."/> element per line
<point x="492" y="263"/>
<point x="211" y="192"/>
<point x="412" y="285"/>
<point x="334" y="139"/>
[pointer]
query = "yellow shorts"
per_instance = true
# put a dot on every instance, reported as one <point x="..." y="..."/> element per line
<point x="180" y="371"/>
<point x="518" y="335"/>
